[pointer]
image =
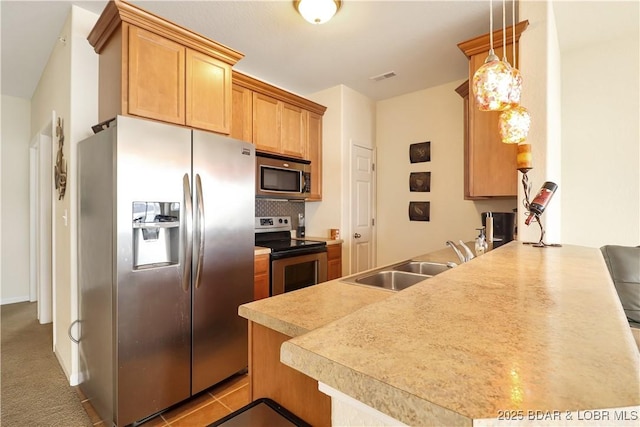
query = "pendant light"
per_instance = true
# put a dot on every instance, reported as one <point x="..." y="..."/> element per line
<point x="514" y="125"/>
<point x="492" y="81"/>
<point x="317" y="11"/>
<point x="515" y="122"/>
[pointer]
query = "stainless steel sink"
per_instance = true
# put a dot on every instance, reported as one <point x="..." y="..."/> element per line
<point x="398" y="276"/>
<point x="422" y="267"/>
<point x="390" y="279"/>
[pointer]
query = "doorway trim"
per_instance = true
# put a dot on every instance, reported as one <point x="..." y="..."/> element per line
<point x="41" y="209"/>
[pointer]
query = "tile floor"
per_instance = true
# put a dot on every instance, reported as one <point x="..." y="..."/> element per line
<point x="199" y="411"/>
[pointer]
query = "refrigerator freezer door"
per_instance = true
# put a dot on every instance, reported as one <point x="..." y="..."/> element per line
<point x="224" y="209"/>
<point x="152" y="306"/>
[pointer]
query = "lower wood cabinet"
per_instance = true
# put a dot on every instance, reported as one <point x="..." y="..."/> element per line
<point x="261" y="276"/>
<point x="334" y="261"/>
<point x="268" y="377"/>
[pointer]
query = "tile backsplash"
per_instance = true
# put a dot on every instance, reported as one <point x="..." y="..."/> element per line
<point x="276" y="207"/>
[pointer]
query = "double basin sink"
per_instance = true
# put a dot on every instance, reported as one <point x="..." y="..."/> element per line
<point x="400" y="276"/>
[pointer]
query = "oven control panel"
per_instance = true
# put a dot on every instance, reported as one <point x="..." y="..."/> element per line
<point x="265" y="224"/>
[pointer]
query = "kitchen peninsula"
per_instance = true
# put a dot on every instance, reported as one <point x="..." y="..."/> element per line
<point x="515" y="331"/>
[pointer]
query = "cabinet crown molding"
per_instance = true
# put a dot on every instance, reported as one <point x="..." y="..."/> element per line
<point x="118" y="11"/>
<point x="482" y="43"/>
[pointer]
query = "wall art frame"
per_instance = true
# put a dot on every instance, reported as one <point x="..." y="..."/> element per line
<point x="420" y="152"/>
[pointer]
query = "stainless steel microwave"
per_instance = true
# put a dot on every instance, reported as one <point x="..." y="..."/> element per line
<point x="282" y="177"/>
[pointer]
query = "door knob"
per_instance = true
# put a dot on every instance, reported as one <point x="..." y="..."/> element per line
<point x="357" y="235"/>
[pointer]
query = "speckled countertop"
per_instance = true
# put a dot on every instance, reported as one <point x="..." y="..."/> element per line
<point x="518" y="328"/>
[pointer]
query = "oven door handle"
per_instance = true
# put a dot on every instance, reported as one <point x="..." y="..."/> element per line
<point x="200" y="229"/>
<point x="187" y="219"/>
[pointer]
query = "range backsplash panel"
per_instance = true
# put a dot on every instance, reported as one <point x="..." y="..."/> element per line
<point x="276" y="207"/>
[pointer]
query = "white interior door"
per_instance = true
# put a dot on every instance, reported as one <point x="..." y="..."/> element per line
<point x="362" y="209"/>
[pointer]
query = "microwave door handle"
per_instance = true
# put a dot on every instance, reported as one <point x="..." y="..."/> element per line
<point x="187" y="220"/>
<point x="200" y="227"/>
<point x="303" y="182"/>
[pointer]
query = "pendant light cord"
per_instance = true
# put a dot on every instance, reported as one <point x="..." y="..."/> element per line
<point x="504" y="33"/>
<point x="490" y="26"/>
<point x="513" y="27"/>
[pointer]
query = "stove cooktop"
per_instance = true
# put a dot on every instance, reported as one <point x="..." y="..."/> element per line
<point x="289" y="244"/>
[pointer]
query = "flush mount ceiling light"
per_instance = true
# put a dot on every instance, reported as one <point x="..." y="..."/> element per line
<point x="317" y="11"/>
<point x="492" y="82"/>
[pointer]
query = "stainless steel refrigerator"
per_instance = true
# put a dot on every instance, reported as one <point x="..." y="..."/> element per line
<point x="165" y="248"/>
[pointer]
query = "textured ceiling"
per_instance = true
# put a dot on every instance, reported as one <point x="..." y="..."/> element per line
<point x="415" y="39"/>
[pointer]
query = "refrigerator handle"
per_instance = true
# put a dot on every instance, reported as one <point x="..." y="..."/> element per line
<point x="188" y="232"/>
<point x="200" y="229"/>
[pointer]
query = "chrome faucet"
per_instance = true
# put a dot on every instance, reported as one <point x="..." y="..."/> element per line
<point x="468" y="254"/>
<point x="456" y="250"/>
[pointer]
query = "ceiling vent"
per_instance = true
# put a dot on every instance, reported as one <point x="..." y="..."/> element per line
<point x="383" y="76"/>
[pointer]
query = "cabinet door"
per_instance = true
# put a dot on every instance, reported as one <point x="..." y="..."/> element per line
<point x="241" y="115"/>
<point x="334" y="261"/>
<point x="261" y="277"/>
<point x="208" y="93"/>
<point x="314" y="154"/>
<point x="492" y="164"/>
<point x="293" y="131"/>
<point x="156" y="77"/>
<point x="266" y="123"/>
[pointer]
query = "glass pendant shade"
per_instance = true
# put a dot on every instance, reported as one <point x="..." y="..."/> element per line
<point x="514" y="125"/>
<point x="317" y="11"/>
<point x="493" y="85"/>
<point x="516" y="86"/>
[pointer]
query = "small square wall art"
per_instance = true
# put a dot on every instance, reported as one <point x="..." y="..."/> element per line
<point x="420" y="181"/>
<point x="419" y="211"/>
<point x="420" y="152"/>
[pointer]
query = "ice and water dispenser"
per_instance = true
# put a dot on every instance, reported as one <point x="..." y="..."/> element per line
<point x="156" y="234"/>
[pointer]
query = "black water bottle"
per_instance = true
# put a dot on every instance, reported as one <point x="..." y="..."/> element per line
<point x="541" y="201"/>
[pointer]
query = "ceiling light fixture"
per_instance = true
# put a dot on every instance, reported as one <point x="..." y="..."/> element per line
<point x="317" y="11"/>
<point x="492" y="82"/>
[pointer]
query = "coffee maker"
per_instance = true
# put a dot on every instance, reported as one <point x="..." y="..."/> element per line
<point x="504" y="226"/>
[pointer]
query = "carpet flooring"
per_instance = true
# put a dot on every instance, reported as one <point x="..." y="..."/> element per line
<point x="34" y="390"/>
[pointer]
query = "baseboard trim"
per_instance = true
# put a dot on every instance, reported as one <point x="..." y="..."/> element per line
<point x="14" y="300"/>
<point x="64" y="369"/>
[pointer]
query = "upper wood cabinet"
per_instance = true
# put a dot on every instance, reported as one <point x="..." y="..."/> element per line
<point x="152" y="68"/>
<point x="314" y="154"/>
<point x="156" y="83"/>
<point x="278" y="127"/>
<point x="490" y="165"/>
<point x="279" y="122"/>
<point x="208" y="97"/>
<point x="267" y="112"/>
<point x="293" y="131"/>
<point x="242" y="113"/>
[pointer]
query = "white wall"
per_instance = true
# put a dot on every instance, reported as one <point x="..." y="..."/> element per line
<point x="68" y="85"/>
<point x="585" y="132"/>
<point x="601" y="143"/>
<point x="349" y="120"/>
<point x="322" y="216"/>
<point x="540" y="67"/>
<point x="16" y="137"/>
<point x="436" y="115"/>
